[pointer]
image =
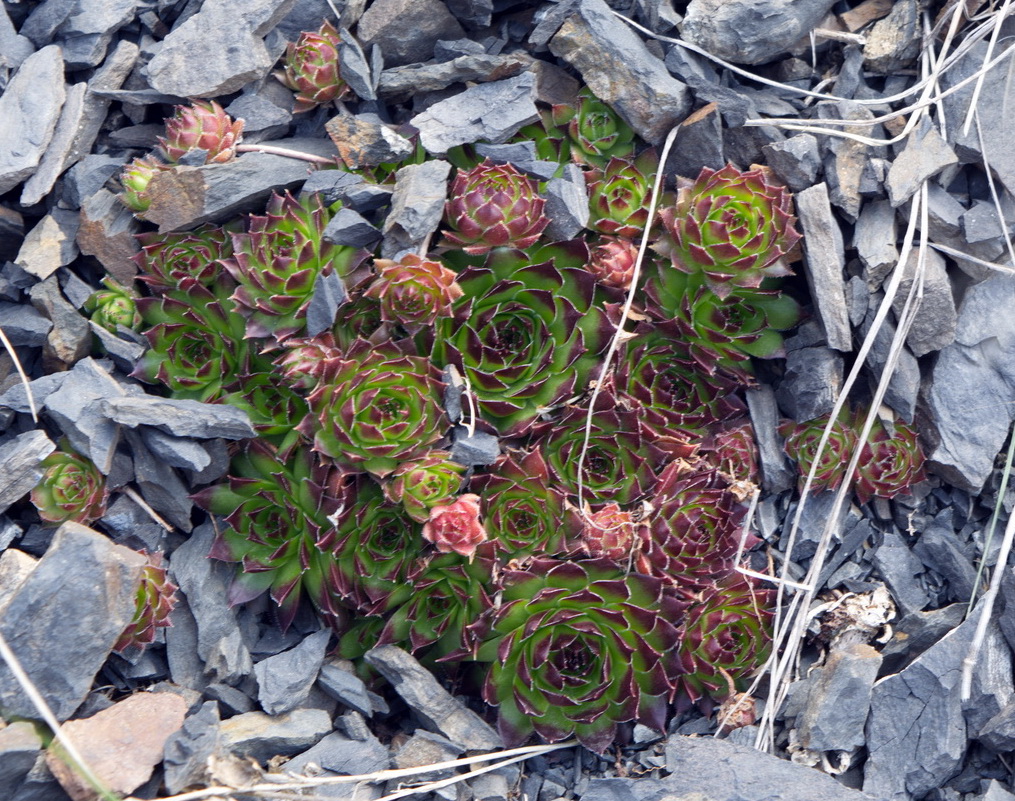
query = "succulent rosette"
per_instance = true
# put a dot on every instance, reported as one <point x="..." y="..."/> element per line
<point x="733" y="227"/>
<point x="613" y="261"/>
<point x="204" y="125"/>
<point x="527" y="336"/>
<point x="456" y="527"/>
<point x="279" y="531"/>
<point x="359" y="318"/>
<point x="413" y="292"/>
<point x="165" y="260"/>
<point x="494" y="205"/>
<point x="135" y="178"/>
<point x="71" y="488"/>
<point x="303" y="361"/>
<point x="425" y="482"/>
<point x="609" y="532"/>
<point x="733" y="451"/>
<point x="692" y="537"/>
<point x="524" y="511"/>
<point x="312" y="68"/>
<point x="890" y="463"/>
<point x="578" y="648"/>
<point x="596" y="131"/>
<point x="113" y="306"/>
<point x="375" y="407"/>
<point x="274" y="406"/>
<point x="197" y="342"/>
<point x="801" y="445"/>
<point x="448" y="593"/>
<point x="724" y="638"/>
<point x="277" y="263"/>
<point x="620" y="193"/>
<point x="155" y="601"/>
<point x="621" y="460"/>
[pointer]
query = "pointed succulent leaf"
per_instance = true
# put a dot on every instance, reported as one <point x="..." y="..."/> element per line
<point x="303" y="361"/>
<point x="425" y="482"/>
<point x="619" y="195"/>
<point x="312" y="68"/>
<point x="166" y="259"/>
<point x="204" y="125"/>
<point x="609" y="532"/>
<point x="455" y="527"/>
<point x="135" y="178"/>
<point x="891" y="461"/>
<point x="596" y="131"/>
<point x="113" y="306"/>
<point x="71" y="488"/>
<point x="413" y="292"/>
<point x="801" y="445"/>
<point x="155" y="601"/>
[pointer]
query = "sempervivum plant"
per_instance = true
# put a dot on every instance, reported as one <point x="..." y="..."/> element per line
<point x="204" y="125"/>
<point x="733" y="227"/>
<point x="528" y="334"/>
<point x="425" y="482"/>
<point x="166" y="259"/>
<point x="524" y="510"/>
<point x="413" y="292"/>
<point x="724" y="638"/>
<point x="277" y="511"/>
<point x="891" y="461"/>
<point x="303" y="361"/>
<point x="609" y="532"/>
<point x="134" y="179"/>
<point x="619" y="194"/>
<point x="733" y="451"/>
<point x="801" y="445"/>
<point x="312" y="68"/>
<point x="376" y="407"/>
<point x="277" y="263"/>
<point x="494" y="205"/>
<point x="113" y="306"/>
<point x="155" y="601"/>
<point x="274" y="406"/>
<point x="71" y="488"/>
<point x="692" y="537"/>
<point x="455" y="527"/>
<point x="613" y="261"/>
<point x="578" y="648"/>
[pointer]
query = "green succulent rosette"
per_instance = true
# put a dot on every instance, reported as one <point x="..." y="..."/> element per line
<point x="197" y="345"/>
<point x="274" y="406"/>
<point x="312" y="68"/>
<point x="620" y="194"/>
<point x="413" y="292"/>
<point x="801" y="445"/>
<point x="376" y="407"/>
<point x="165" y="260"/>
<point x="425" y="482"/>
<point x="891" y="461"/>
<point x="595" y="131"/>
<point x="114" y="306"/>
<point x="279" y="531"/>
<point x="724" y="638"/>
<point x="524" y="510"/>
<point x="359" y="318"/>
<point x="203" y="125"/>
<point x="578" y="648"/>
<point x="135" y="178"/>
<point x="527" y="335"/>
<point x="278" y="261"/>
<point x="733" y="452"/>
<point x="732" y="227"/>
<point x="71" y="488"/>
<point x="154" y="602"/>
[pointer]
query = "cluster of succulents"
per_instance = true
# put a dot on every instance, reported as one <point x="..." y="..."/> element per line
<point x="590" y="571"/>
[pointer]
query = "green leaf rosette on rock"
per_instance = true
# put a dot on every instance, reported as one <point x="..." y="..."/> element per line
<point x="71" y="488"/>
<point x="425" y="482"/>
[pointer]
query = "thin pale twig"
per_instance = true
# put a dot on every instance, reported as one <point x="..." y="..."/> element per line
<point x="21" y="372"/>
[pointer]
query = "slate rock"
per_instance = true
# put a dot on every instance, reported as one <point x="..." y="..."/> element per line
<point x="875" y="238"/>
<point x="108" y="232"/>
<point x="364" y="141"/>
<point x="160" y="485"/>
<point x="353" y="191"/>
<point x="403" y="82"/>
<point x="15" y="565"/>
<point x="54" y="160"/>
<point x="999" y="732"/>
<point x="121" y="744"/>
<point x="23" y="325"/>
<point x="427" y="748"/>
<point x="894" y="42"/>
<point x="479" y="448"/>
<point x="29" y="109"/>
<point x="699" y="143"/>
<point x="218" y="50"/>
<point x="621" y="71"/>
<point x="997" y="792"/>
<point x="20" y="744"/>
<point x="81" y="571"/>
<point x="329" y="294"/>
<point x="204" y="582"/>
<point x="980" y="222"/>
<point x="436" y="708"/>
<point x="284" y="680"/>
<point x="417" y="206"/>
<point x="823" y="263"/>
<point x="124" y="353"/>
<point x="181" y="452"/>
<point x="188" y="749"/>
<point x="407" y="30"/>
<point x="941" y="550"/>
<point x="186" y="668"/>
<point x="493" y="112"/>
<point x="567" y="204"/>
<point x="934" y="324"/>
<point x="919" y="729"/>
<point x="262" y="119"/>
<point x="349" y="227"/>
<point x="263" y="737"/>
<point x="21" y="457"/>
<point x="915" y="632"/>
<point x="746" y="32"/>
<point x="70" y="338"/>
<point x="925" y="155"/>
<point x="180" y="417"/>
<point x="811" y="382"/>
<point x="776" y="472"/>
<point x="17" y="399"/>
<point x="904" y="386"/>
<point x="14" y="48"/>
<point x="796" y="161"/>
<point x="899" y="567"/>
<point x="345" y="686"/>
<point x="50" y="244"/>
<point x="344" y="755"/>
<point x="88" y="176"/>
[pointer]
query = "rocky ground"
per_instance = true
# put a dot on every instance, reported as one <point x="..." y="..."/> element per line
<point x="925" y="201"/>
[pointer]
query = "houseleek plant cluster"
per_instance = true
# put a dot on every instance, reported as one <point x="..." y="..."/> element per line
<point x="589" y="573"/>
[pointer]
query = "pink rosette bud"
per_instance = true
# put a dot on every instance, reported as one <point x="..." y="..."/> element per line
<point x="456" y="527"/>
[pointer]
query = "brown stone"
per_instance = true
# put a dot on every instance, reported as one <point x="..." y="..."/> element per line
<point x="121" y="744"/>
<point x="366" y="143"/>
<point x="864" y="14"/>
<point x="107" y="232"/>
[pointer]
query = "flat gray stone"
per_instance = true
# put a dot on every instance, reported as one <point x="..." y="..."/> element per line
<point x="182" y="452"/>
<point x="893" y="42"/>
<point x="398" y="82"/>
<point x="407" y="30"/>
<point x="262" y="119"/>
<point x="188" y="750"/>
<point x="218" y="50"/>
<point x="749" y="32"/>
<point x="796" y="160"/>
<point x="284" y="680"/>
<point x="108" y="231"/>
<point x="84" y="571"/>
<point x="417" y="206"/>
<point x="349" y="227"/>
<point x="23" y="326"/>
<point x="54" y="160"/>
<point x="263" y="737"/>
<point x="50" y="245"/>
<point x="344" y="755"/>
<point x="436" y="708"/>
<point x="160" y="485"/>
<point x="14" y="48"/>
<point x="345" y="686"/>
<point x="20" y="457"/>
<point x="875" y="236"/>
<point x="777" y="474"/>
<point x="20" y="744"/>
<point x="182" y="418"/>
<point x="567" y="205"/>
<point x="934" y="325"/>
<point x="811" y="382"/>
<point x="16" y="397"/>
<point x="621" y="71"/>
<point x="492" y="112"/>
<point x="29" y="110"/>
<point x="899" y="567"/>
<point x="925" y="155"/>
<point x="823" y="263"/>
<point x="88" y="30"/>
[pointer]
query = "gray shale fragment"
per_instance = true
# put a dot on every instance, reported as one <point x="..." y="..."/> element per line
<point x="54" y="160"/>
<point x="567" y="204"/>
<point x="407" y="30"/>
<point x="345" y="686"/>
<point x="749" y="32"/>
<point x="189" y="749"/>
<point x="160" y="485"/>
<point x="264" y="737"/>
<point x="182" y="418"/>
<point x="919" y="729"/>
<point x="925" y="155"/>
<point x="344" y="755"/>
<point x="899" y="568"/>
<point x="20" y="457"/>
<point x="414" y="78"/>
<point x="436" y="708"/>
<point x="823" y="263"/>
<point x="80" y="594"/>
<point x="416" y="206"/>
<point x="894" y="41"/>
<point x="284" y="680"/>
<point x="20" y="744"/>
<point x="621" y="71"/>
<point x="811" y="383"/>
<point x="29" y="109"/>
<point x="23" y="325"/>
<point x="796" y="160"/>
<point x="934" y="324"/>
<point x="50" y="245"/>
<point x="107" y="231"/>
<point x="874" y="237"/>
<point x="489" y="111"/>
